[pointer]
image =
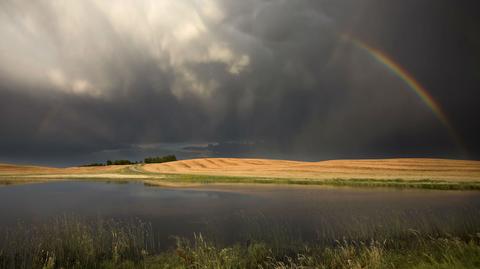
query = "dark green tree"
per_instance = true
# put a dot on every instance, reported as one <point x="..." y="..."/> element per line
<point x="158" y="159"/>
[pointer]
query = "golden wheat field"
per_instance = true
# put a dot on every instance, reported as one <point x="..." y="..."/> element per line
<point x="408" y="169"/>
<point x="11" y="169"/>
<point x="378" y="169"/>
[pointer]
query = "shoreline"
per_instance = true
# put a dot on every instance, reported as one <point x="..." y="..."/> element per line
<point x="195" y="181"/>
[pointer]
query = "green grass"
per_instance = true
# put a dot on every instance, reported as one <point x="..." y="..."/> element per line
<point x="72" y="242"/>
<point x="423" y="252"/>
<point x="394" y="183"/>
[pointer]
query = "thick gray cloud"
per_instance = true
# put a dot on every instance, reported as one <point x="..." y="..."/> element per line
<point x="79" y="77"/>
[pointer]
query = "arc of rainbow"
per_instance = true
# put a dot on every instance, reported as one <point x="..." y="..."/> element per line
<point x="412" y="84"/>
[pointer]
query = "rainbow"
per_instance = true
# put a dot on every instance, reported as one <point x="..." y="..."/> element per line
<point x="412" y="83"/>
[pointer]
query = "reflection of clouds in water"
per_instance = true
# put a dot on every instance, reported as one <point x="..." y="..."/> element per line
<point x="233" y="213"/>
<point x="155" y="192"/>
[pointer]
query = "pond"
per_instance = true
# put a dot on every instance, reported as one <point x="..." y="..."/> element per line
<point x="234" y="213"/>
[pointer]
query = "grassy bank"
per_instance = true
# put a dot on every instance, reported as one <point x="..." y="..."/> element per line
<point x="196" y="179"/>
<point x="71" y="242"/>
<point x="182" y="179"/>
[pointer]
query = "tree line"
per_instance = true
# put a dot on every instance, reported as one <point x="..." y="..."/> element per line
<point x="156" y="159"/>
<point x="164" y="159"/>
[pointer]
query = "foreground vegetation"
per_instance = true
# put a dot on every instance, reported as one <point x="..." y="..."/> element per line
<point x="71" y="242"/>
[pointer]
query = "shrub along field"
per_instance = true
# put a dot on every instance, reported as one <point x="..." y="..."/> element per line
<point x="73" y="242"/>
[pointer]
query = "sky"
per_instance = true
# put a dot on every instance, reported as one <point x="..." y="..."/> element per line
<point x="84" y="81"/>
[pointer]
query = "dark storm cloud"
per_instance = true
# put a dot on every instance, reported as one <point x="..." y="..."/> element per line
<point x="92" y="76"/>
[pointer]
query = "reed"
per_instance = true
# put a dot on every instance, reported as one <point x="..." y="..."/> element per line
<point x="74" y="242"/>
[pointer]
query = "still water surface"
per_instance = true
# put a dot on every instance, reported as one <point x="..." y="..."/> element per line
<point x="235" y="212"/>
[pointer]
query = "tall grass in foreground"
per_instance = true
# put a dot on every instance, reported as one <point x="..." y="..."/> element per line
<point x="73" y="242"/>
